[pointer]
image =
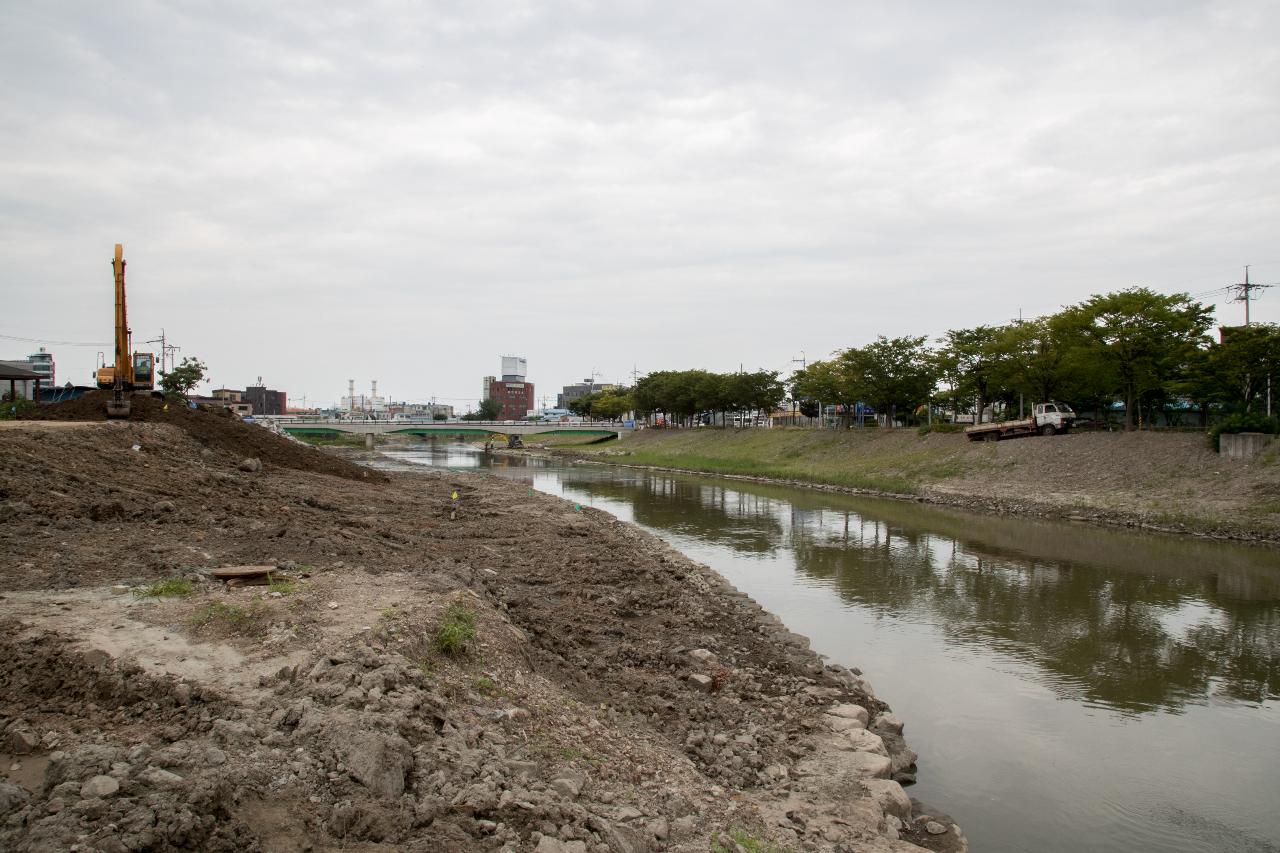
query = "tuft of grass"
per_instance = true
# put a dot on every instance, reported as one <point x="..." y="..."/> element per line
<point x="484" y="686"/>
<point x="284" y="586"/>
<point x="542" y="745"/>
<point x="457" y="630"/>
<point x="219" y="612"/>
<point x="740" y="839"/>
<point x="170" y="588"/>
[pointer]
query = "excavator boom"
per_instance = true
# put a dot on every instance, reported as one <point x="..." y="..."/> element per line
<point x="124" y="364"/>
<point x="131" y="372"/>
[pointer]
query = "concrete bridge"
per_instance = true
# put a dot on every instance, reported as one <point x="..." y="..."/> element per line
<point x="314" y="426"/>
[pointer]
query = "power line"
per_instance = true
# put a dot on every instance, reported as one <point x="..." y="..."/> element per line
<point x="56" y="343"/>
<point x="1215" y="291"/>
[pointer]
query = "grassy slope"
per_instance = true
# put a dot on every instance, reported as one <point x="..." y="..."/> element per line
<point x="1165" y="479"/>
<point x="901" y="462"/>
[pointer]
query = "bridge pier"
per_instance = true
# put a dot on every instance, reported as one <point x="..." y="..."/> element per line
<point x="368" y="441"/>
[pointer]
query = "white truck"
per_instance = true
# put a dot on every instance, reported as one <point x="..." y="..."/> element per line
<point x="1046" y="419"/>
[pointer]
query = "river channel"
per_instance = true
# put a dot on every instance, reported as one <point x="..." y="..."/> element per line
<point x="1068" y="687"/>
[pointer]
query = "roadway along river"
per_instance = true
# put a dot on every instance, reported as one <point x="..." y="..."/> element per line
<point x="1067" y="687"/>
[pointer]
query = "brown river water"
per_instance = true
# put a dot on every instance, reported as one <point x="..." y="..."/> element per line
<point x="1068" y="687"/>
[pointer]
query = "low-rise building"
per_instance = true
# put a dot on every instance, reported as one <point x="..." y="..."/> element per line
<point x="265" y="401"/>
<point x="40" y="364"/>
<point x="19" y="380"/>
<point x="579" y="390"/>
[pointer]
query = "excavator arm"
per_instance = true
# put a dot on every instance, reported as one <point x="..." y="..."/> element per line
<point x="119" y="406"/>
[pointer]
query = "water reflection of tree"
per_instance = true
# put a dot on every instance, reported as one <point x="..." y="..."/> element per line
<point x="743" y="522"/>
<point x="1101" y="635"/>
<point x="1130" y="623"/>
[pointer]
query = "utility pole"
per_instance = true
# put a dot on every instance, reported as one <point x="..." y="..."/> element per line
<point x="804" y="365"/>
<point x="1245" y="292"/>
<point x="167" y="351"/>
<point x="1019" y="322"/>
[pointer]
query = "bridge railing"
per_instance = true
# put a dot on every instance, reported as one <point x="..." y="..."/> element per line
<point x="286" y="421"/>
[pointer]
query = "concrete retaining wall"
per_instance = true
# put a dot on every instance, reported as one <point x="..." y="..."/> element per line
<point x="1242" y="445"/>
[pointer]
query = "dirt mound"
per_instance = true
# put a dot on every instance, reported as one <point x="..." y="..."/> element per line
<point x="218" y="429"/>
<point x="614" y="695"/>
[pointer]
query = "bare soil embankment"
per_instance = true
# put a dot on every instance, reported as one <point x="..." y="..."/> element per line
<point x="610" y="695"/>
<point x="1165" y="481"/>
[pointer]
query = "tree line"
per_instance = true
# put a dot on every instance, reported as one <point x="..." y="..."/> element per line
<point x="682" y="395"/>
<point x="1146" y="351"/>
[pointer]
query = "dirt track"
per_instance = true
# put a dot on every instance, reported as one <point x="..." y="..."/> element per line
<point x="616" y="696"/>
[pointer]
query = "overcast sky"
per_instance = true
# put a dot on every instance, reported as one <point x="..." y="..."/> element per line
<point x="405" y="191"/>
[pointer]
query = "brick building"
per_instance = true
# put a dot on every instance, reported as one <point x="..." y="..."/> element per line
<point x="512" y="393"/>
<point x="265" y="401"/>
<point x="515" y="398"/>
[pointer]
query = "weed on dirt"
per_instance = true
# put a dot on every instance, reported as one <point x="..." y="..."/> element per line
<point x="284" y="586"/>
<point x="169" y="588"/>
<point x="457" y="630"/>
<point x="741" y="841"/>
<point x="222" y="618"/>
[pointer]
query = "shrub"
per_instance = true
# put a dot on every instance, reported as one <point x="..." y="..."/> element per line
<point x="14" y="409"/>
<point x="1243" y="423"/>
<point x="457" y="630"/>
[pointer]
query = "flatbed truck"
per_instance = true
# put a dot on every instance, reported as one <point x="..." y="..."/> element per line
<point x="1046" y="419"/>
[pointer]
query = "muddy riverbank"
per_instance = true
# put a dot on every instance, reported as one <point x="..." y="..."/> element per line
<point x="443" y="661"/>
<point x="1168" y="482"/>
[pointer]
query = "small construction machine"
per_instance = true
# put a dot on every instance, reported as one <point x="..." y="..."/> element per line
<point x="130" y="373"/>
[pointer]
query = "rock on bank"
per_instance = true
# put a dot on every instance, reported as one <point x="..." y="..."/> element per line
<point x="614" y="696"/>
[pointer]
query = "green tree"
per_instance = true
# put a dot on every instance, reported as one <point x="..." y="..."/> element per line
<point x="893" y="373"/>
<point x="612" y="404"/>
<point x="177" y="383"/>
<point x="489" y="410"/>
<point x="1043" y="359"/>
<point x="1143" y="341"/>
<point x="581" y="406"/>
<point x="1246" y="362"/>
<point x="969" y="361"/>
<point x="825" y="382"/>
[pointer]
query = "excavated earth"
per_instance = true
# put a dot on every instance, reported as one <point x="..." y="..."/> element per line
<point x="615" y="695"/>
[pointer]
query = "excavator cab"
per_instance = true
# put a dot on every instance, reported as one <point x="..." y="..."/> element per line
<point x="144" y="371"/>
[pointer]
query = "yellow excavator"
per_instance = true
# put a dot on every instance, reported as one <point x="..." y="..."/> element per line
<point x="129" y="373"/>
